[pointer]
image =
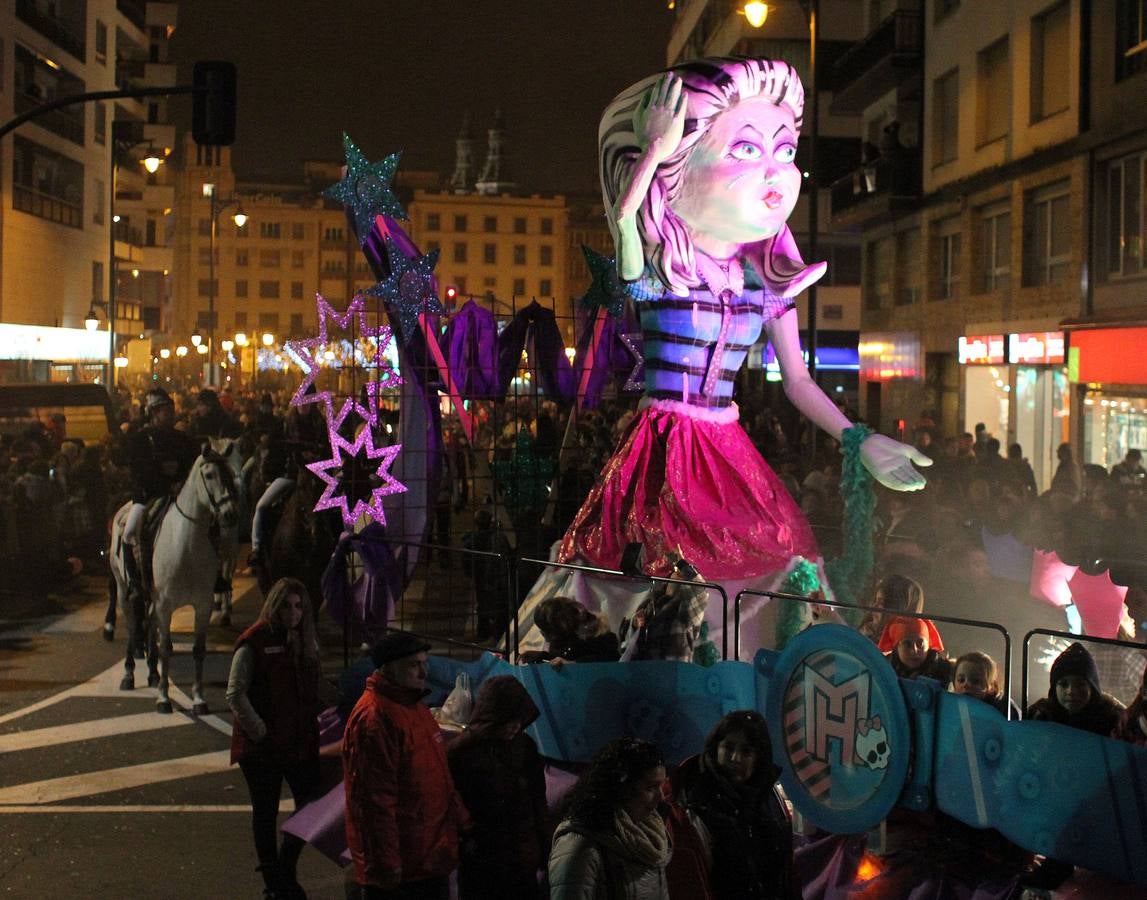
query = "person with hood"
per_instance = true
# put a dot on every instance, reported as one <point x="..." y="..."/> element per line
<point x="614" y="842"/>
<point x="501" y="779"/>
<point x="1132" y="725"/>
<point x="1074" y="697"/>
<point x="728" y="795"/>
<point x="402" y="812"/>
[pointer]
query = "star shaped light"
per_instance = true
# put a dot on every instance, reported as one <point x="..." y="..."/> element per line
<point x="605" y="289"/>
<point x="633" y="343"/>
<point x="308" y="355"/>
<point x="409" y="287"/>
<point x="525" y="478"/>
<point x="343" y="454"/>
<point x="366" y="189"/>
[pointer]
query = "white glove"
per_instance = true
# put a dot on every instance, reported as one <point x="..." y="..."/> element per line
<point x="890" y="463"/>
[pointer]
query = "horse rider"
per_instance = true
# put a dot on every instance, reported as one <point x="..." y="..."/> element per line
<point x="211" y="420"/>
<point x="289" y="449"/>
<point x="159" y="457"/>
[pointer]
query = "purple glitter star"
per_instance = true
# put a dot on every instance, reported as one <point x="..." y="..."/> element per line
<point x="636" y="379"/>
<point x="340" y="449"/>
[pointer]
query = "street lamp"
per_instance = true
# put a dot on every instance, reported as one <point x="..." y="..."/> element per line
<point x="196" y="339"/>
<point x="218" y="204"/>
<point x="91" y="323"/>
<point x="268" y="339"/>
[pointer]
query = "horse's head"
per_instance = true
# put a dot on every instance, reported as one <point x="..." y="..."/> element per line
<point x="215" y="482"/>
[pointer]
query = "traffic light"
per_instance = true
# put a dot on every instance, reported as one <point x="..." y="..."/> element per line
<point x="451" y="296"/>
<point x="213" y="110"/>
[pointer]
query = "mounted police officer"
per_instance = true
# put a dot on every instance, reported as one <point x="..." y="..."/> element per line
<point x="159" y="457"/>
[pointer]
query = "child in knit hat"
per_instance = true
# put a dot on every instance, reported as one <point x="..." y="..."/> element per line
<point x="1132" y="724"/>
<point x="1074" y="697"/>
<point x="912" y="650"/>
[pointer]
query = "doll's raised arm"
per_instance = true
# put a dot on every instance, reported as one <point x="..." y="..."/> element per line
<point x="658" y="125"/>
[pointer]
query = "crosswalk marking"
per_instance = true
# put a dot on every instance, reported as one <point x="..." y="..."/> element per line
<point x="70" y="787"/>
<point x="90" y="730"/>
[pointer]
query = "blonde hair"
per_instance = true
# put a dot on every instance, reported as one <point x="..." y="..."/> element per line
<point x="985" y="662"/>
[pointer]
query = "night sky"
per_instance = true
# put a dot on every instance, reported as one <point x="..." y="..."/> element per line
<point x="399" y="76"/>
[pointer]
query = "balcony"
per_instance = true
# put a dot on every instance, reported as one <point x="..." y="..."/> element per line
<point x="877" y="64"/>
<point x="68" y="36"/>
<point x="64" y="122"/>
<point x="877" y="192"/>
<point x="135" y="11"/>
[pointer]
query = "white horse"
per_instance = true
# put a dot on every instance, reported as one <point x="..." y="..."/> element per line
<point x="185" y="563"/>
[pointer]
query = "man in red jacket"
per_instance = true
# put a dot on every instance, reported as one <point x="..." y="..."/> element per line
<point x="402" y="812"/>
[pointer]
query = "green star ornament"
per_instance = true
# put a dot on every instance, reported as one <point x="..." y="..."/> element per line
<point x="605" y="289"/>
<point x="366" y="189"/>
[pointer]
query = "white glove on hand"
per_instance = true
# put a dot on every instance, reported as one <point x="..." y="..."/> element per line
<point x="890" y="463"/>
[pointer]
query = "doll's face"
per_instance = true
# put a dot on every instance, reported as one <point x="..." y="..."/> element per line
<point x="741" y="180"/>
<point x="971" y="679"/>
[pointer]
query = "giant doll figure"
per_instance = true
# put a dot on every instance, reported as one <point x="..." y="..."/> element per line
<point x="699" y="177"/>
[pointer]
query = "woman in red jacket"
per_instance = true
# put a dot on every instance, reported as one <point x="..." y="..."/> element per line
<point x="273" y="694"/>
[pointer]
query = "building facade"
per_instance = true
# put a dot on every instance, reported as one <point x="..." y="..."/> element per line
<point x="72" y="177"/>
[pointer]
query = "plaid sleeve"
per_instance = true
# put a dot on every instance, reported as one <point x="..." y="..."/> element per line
<point x="646" y="287"/>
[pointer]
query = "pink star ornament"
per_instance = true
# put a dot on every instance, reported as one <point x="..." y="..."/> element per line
<point x="340" y="451"/>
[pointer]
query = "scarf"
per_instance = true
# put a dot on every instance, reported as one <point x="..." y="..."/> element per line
<point x="646" y="841"/>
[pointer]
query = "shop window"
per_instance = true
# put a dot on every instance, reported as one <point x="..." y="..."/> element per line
<point x="993" y="93"/>
<point x="1050" y="84"/>
<point x="1125" y="215"/>
<point x="1047" y="234"/>
<point x="945" y="117"/>
<point x="994" y="249"/>
<point x="946" y="257"/>
<point x="1130" y="38"/>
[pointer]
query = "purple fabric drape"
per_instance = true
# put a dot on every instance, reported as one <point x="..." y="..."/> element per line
<point x="611" y="357"/>
<point x="472" y="352"/>
<point x="369" y="601"/>
<point x="546" y="350"/>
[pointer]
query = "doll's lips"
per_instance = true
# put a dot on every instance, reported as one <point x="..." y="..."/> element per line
<point x="773" y="199"/>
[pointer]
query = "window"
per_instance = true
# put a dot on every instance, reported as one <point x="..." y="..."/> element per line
<point x="546" y="255"/>
<point x="205" y="256"/>
<point x="334" y="235"/>
<point x="945" y="117"/>
<point x="994" y="253"/>
<point x="150" y="231"/>
<point x="298" y="231"/>
<point x="205" y="287"/>
<point x="832" y="312"/>
<point x="1050" y="87"/>
<point x="1047" y="234"/>
<point x="1130" y="38"/>
<point x="240" y="320"/>
<point x="433" y="222"/>
<point x="269" y="322"/>
<point x="459" y="223"/>
<point x="47" y="184"/>
<point x="298" y="259"/>
<point x="97" y="280"/>
<point x="490" y="253"/>
<point x="547" y="225"/>
<point x="270" y="259"/>
<point x="1125" y="215"/>
<point x="993" y="93"/>
<point x="947" y="257"/>
<point x="519" y="287"/>
<point x="490" y="224"/>
<point x="296" y="323"/>
<point x="519" y="225"/>
<point x="879" y="275"/>
<point x="546" y="287"/>
<point x="460" y="284"/>
<point x="98" y="201"/>
<point x="845" y="265"/>
<point x="909" y="267"/>
<point x="296" y="290"/>
<point x="270" y="230"/>
<point x="242" y="257"/>
<point x="101" y="42"/>
<point x="460" y="251"/>
<point x="204" y="227"/>
<point x="269" y="290"/>
<point x="241" y="288"/>
<point x="519" y="254"/>
<point x="203" y="320"/>
<point x="489" y="282"/>
<point x="100" y="122"/>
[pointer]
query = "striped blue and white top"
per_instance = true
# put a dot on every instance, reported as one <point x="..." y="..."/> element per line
<point x="695" y="345"/>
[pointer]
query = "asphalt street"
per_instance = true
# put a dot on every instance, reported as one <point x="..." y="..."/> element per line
<point x="102" y="797"/>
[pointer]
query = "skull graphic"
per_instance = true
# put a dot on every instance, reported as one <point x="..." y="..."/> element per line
<point x="872" y="748"/>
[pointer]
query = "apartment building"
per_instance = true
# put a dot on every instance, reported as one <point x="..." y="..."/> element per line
<point x="73" y="178"/>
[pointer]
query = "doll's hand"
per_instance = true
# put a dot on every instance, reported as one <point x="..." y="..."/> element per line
<point x="890" y="463"/>
<point x="659" y="120"/>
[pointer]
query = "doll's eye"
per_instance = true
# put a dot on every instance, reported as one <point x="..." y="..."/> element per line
<point x="785" y="153"/>
<point x="746" y="150"/>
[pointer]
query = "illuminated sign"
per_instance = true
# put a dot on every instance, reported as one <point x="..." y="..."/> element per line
<point x="1036" y="348"/>
<point x="885" y="356"/>
<point x="983" y="349"/>
<point x="41" y="342"/>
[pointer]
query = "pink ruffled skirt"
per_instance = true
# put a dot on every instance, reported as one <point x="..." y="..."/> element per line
<point x="689" y="481"/>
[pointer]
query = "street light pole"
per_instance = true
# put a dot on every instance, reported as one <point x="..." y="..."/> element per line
<point x="217" y="206"/>
<point x="814" y="194"/>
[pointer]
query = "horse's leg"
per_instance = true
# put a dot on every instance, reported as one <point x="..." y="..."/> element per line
<point x="163" y="640"/>
<point x="199" y="653"/>
<point x="152" y="644"/>
<point x="127" y="683"/>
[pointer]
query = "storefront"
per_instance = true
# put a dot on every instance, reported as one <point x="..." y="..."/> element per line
<point x="1016" y="385"/>
<point x="39" y="353"/>
<point x="1110" y="365"/>
<point x="892" y="390"/>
